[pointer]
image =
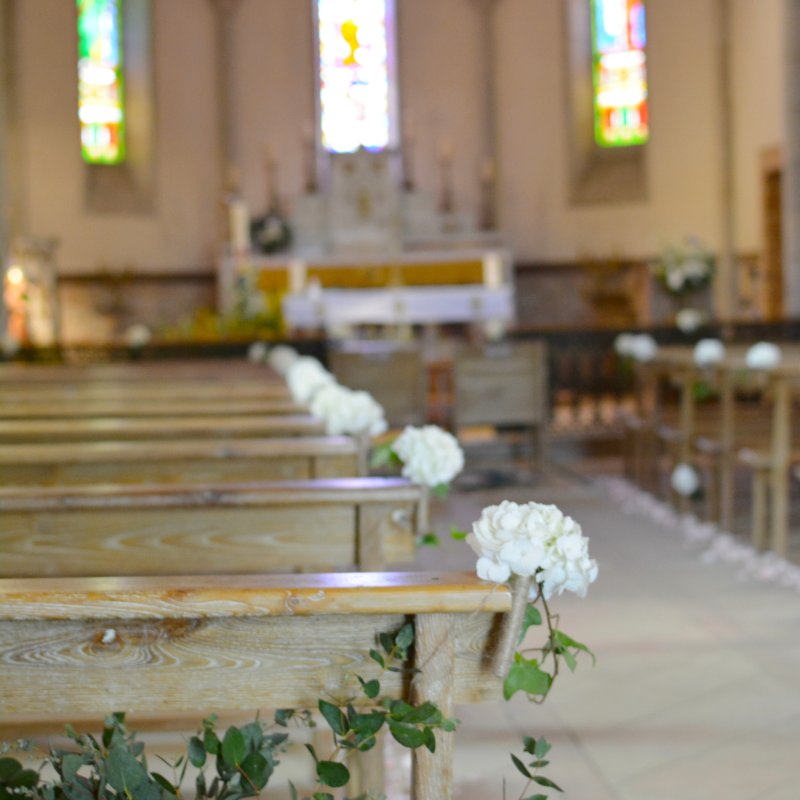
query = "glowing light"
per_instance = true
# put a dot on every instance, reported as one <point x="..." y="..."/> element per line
<point x="15" y="276"/>
<point x="101" y="107"/>
<point x="620" y="72"/>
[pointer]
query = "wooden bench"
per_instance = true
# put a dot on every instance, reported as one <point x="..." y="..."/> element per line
<point x="182" y="461"/>
<point x="18" y="431"/>
<point x="72" y="647"/>
<point x="277" y="526"/>
<point x="71" y="408"/>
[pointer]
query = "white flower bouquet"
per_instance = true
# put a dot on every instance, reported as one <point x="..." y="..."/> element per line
<point x="686" y="268"/>
<point x="541" y="552"/>
<point x="305" y="377"/>
<point x="281" y="357"/>
<point x="428" y="455"/>
<point x="533" y="540"/>
<point x="347" y="412"/>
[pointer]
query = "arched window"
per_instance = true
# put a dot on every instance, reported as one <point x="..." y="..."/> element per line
<point x="619" y="68"/>
<point x="357" y="76"/>
<point x="101" y="107"/>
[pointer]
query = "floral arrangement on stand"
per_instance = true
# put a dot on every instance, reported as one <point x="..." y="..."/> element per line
<point x="682" y="271"/>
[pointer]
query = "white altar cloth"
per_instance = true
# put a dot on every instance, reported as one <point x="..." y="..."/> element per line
<point x="407" y="305"/>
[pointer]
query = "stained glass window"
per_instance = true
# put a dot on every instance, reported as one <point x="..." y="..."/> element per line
<point x="101" y="108"/>
<point x="620" y="72"/>
<point x="356" y="74"/>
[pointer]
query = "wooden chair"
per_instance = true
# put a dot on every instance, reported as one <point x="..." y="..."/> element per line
<point x="181" y="461"/>
<point x="503" y="386"/>
<point x="392" y="372"/>
<point x="72" y="647"/>
<point x="362" y="523"/>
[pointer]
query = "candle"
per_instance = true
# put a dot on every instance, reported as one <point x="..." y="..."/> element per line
<point x="239" y="219"/>
<point x="297" y="275"/>
<point x="493" y="270"/>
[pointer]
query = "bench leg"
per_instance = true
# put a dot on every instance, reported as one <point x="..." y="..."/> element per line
<point x="727" y="476"/>
<point x="435" y="656"/>
<point x="760" y="508"/>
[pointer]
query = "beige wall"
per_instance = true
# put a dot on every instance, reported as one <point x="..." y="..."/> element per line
<point x="439" y="73"/>
<point x="757" y="69"/>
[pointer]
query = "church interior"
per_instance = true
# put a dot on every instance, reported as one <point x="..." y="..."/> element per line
<point x="417" y="378"/>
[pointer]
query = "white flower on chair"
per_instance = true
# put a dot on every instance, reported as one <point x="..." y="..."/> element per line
<point x="708" y="352"/>
<point x="431" y="456"/>
<point x="533" y="539"/>
<point x="684" y="480"/>
<point x="348" y="412"/>
<point x="306" y="376"/>
<point x="281" y="357"/>
<point x="764" y="355"/>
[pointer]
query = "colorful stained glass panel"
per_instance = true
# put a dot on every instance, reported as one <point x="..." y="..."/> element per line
<point x="101" y="107"/>
<point x="620" y="72"/>
<point x="355" y="73"/>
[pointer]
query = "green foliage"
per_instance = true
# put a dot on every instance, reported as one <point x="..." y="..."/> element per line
<point x="429" y="539"/>
<point x="457" y="535"/>
<point x="384" y="456"/>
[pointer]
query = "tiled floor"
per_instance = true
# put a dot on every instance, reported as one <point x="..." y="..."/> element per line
<point x="696" y="692"/>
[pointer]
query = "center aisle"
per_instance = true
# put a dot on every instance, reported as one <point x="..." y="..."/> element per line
<point x="695" y="690"/>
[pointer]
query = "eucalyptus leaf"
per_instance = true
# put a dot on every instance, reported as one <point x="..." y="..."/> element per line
<point x="542" y="781"/>
<point x="233" y="746"/>
<point x="334" y="717"/>
<point x="520" y="766"/>
<point x="197" y="752"/>
<point x="332" y="773"/>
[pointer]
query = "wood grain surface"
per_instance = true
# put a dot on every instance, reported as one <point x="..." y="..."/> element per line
<point x="179" y="461"/>
<point x="216" y="528"/>
<point x="121" y="429"/>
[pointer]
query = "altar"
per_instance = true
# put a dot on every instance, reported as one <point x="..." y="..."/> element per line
<point x="371" y="250"/>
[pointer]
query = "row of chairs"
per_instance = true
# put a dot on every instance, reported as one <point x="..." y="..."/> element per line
<point x="722" y="418"/>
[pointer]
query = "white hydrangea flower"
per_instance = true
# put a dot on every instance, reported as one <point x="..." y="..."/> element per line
<point x="708" y="352"/>
<point x="533" y="539"/>
<point x="137" y="335"/>
<point x="689" y="319"/>
<point x="345" y="411"/>
<point x="763" y="355"/>
<point x="281" y="357"/>
<point x="684" y="480"/>
<point x="624" y="345"/>
<point x="430" y="455"/>
<point x="257" y="353"/>
<point x="644" y="347"/>
<point x="305" y="377"/>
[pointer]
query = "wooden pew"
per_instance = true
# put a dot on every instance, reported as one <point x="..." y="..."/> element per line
<point x="16" y="431"/>
<point x="279" y="526"/>
<point x="72" y="647"/>
<point x="182" y="461"/>
<point x="71" y="408"/>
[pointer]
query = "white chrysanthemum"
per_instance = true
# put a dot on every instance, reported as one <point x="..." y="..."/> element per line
<point x="689" y="319"/>
<point x="281" y="357"/>
<point x="675" y="278"/>
<point x="305" y="377"/>
<point x="764" y="355"/>
<point x="685" y="480"/>
<point x="708" y="352"/>
<point x="624" y="344"/>
<point x="257" y="353"/>
<point x="347" y="412"/>
<point x="644" y="347"/>
<point x="430" y="455"/>
<point x="137" y="335"/>
<point x="533" y="539"/>
<point x="9" y="345"/>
